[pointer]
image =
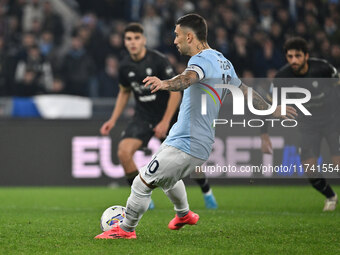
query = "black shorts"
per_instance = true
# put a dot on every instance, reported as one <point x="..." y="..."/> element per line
<point x="311" y="138"/>
<point x="140" y="129"/>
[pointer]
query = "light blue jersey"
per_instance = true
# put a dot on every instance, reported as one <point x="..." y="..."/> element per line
<point x="193" y="132"/>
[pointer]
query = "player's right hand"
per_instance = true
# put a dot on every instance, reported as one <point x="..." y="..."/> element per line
<point x="106" y="127"/>
<point x="291" y="113"/>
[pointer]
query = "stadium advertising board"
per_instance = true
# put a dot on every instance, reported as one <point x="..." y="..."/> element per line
<point x="70" y="152"/>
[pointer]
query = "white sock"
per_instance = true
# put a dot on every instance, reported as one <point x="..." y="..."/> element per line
<point x="208" y="193"/>
<point x="178" y="197"/>
<point x="137" y="204"/>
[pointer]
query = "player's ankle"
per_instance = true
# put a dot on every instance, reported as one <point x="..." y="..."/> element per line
<point x="126" y="228"/>
<point x="182" y="214"/>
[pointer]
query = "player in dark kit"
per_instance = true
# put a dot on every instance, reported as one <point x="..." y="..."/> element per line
<point x="321" y="124"/>
<point x="153" y="112"/>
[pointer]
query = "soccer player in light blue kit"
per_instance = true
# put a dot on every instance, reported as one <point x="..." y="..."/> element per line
<point x="190" y="140"/>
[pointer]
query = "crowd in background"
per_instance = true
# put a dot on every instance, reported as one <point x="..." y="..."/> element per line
<point x="40" y="55"/>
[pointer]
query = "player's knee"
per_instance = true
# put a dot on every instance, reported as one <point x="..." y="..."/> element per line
<point x="124" y="154"/>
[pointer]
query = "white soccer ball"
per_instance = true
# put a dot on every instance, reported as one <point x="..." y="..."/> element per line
<point x="111" y="216"/>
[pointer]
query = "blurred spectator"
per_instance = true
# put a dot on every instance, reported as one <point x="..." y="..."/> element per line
<point x="13" y="33"/>
<point x="58" y="86"/>
<point x="91" y="34"/>
<point x="152" y="27"/>
<point x="52" y="22"/>
<point x="310" y="8"/>
<point x="108" y="85"/>
<point x="240" y="55"/>
<point x="36" y="63"/>
<point x="183" y="7"/>
<point x="276" y="35"/>
<point x="36" y="28"/>
<point x="32" y="11"/>
<point x="48" y="49"/>
<point x="335" y="56"/>
<point x="27" y="41"/>
<point x="115" y="45"/>
<point x="269" y="57"/>
<point x="205" y="9"/>
<point x="301" y="30"/>
<point x="244" y="31"/>
<point x="320" y="36"/>
<point x="332" y="30"/>
<point x="228" y="19"/>
<point x="16" y="10"/>
<point x="3" y="21"/>
<point x="311" y="24"/>
<point x="266" y="16"/>
<point x="284" y="20"/>
<point x="221" y="41"/>
<point x="28" y="86"/>
<point x="247" y="74"/>
<point x="46" y="44"/>
<point x="325" y="49"/>
<point x="77" y="69"/>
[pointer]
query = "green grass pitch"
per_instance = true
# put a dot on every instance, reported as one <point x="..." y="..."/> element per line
<point x="250" y="220"/>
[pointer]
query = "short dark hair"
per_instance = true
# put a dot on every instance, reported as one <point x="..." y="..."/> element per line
<point x="296" y="43"/>
<point x="197" y="23"/>
<point x="134" y="27"/>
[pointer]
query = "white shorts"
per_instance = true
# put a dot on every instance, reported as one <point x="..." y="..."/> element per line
<point x="168" y="166"/>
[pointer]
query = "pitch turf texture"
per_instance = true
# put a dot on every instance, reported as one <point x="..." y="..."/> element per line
<point x="250" y="220"/>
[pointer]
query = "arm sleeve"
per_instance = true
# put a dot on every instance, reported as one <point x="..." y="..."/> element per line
<point x="122" y="79"/>
<point x="198" y="65"/>
<point x="331" y="70"/>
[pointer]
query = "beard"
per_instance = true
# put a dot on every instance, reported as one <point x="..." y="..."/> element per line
<point x="297" y="68"/>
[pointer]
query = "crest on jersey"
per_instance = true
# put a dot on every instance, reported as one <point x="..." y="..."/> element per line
<point x="148" y="71"/>
<point x="131" y="74"/>
<point x="169" y="70"/>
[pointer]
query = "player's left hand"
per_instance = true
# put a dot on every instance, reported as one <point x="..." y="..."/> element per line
<point x="161" y="129"/>
<point x="291" y="113"/>
<point x="154" y="83"/>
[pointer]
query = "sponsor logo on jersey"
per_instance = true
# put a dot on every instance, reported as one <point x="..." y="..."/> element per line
<point x="147" y="98"/>
<point x="131" y="74"/>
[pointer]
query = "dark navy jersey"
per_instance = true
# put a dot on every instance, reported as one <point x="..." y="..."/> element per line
<point x="150" y="107"/>
<point x="317" y="68"/>
<point x="319" y="80"/>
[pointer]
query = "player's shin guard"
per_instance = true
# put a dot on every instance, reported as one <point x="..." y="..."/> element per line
<point x="178" y="197"/>
<point x="137" y="204"/>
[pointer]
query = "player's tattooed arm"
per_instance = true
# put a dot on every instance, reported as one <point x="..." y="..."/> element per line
<point x="258" y="102"/>
<point x="177" y="83"/>
<point x="182" y="81"/>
